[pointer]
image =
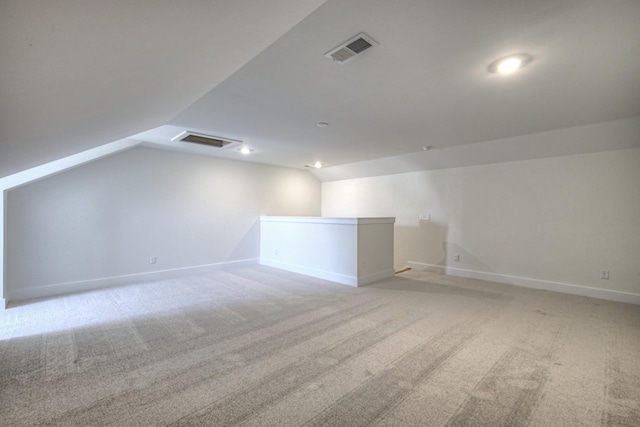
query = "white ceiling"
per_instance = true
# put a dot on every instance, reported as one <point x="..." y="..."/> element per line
<point x="425" y="84"/>
<point x="76" y="74"/>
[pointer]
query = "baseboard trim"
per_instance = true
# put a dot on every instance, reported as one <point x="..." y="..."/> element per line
<point x="328" y="275"/>
<point x="307" y="271"/>
<point x="86" y="285"/>
<point x="564" y="288"/>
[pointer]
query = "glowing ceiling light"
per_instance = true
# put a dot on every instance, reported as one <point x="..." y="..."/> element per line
<point x="510" y="64"/>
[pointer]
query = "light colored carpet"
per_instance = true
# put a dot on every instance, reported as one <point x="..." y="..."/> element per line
<point x="257" y="346"/>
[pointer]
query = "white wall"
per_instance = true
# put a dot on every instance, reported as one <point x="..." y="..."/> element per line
<point x="93" y="224"/>
<point x="351" y="251"/>
<point x="542" y="223"/>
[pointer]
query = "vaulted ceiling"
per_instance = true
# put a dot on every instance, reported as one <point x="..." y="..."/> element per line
<point x="76" y="75"/>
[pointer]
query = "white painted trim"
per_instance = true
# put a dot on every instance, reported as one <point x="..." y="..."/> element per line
<point x="327" y="275"/>
<point x="327" y="220"/>
<point x="153" y="276"/>
<point x="525" y="282"/>
<point x="307" y="271"/>
<point x="56" y="166"/>
<point x="3" y="303"/>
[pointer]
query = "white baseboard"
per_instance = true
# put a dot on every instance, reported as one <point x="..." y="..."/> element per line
<point x="531" y="283"/>
<point x="85" y="285"/>
<point x="328" y="275"/>
<point x="3" y="303"/>
<point x="307" y="271"/>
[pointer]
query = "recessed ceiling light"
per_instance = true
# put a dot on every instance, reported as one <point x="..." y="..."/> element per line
<point x="510" y="64"/>
<point x="322" y="124"/>
<point x="427" y="148"/>
<point x="316" y="165"/>
<point x="245" y="150"/>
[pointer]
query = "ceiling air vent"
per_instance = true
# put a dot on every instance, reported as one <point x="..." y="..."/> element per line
<point x="350" y="48"/>
<point x="211" y="141"/>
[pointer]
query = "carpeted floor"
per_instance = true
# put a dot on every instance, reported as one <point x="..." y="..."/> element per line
<point x="257" y="346"/>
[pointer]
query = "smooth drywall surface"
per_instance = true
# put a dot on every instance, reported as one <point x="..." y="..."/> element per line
<point x="108" y="218"/>
<point x="560" y="219"/>
<point x="352" y="251"/>
<point x="77" y="75"/>
<point x="594" y="138"/>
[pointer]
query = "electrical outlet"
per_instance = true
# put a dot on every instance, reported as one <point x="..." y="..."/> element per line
<point x="604" y="274"/>
<point x="152" y="260"/>
<point x="425" y="217"/>
<point x="456" y="257"/>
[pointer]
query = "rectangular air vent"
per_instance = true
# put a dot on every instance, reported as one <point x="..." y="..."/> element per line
<point x="211" y="141"/>
<point x="350" y="48"/>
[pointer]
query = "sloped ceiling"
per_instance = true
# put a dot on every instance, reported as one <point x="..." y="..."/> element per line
<point x="427" y="82"/>
<point x="77" y="74"/>
<point x="81" y="74"/>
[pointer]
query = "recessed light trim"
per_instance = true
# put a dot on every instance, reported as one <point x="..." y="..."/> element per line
<point x="316" y="165"/>
<point x="322" y="124"/>
<point x="510" y="64"/>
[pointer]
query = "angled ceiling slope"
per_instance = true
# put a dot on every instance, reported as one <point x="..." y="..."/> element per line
<point x="426" y="82"/>
<point x="75" y="75"/>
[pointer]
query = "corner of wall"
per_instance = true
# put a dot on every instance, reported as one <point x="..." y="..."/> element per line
<point x="3" y="282"/>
